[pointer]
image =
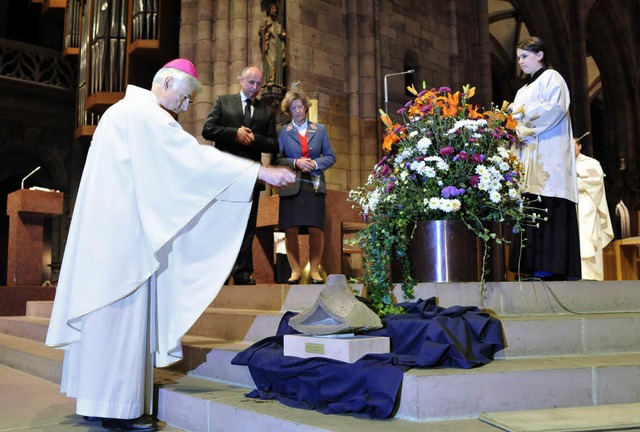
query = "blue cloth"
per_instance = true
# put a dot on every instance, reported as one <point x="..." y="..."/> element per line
<point x="426" y="336"/>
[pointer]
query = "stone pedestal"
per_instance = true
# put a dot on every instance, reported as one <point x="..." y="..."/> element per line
<point x="346" y="348"/>
<point x="26" y="210"/>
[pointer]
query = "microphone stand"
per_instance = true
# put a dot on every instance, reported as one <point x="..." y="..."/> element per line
<point x="28" y="175"/>
<point x="386" y="92"/>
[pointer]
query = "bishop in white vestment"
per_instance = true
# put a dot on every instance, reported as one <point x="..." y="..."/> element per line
<point x="139" y="266"/>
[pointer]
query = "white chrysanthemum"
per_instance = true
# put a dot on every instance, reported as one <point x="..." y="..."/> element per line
<point x="494" y="196"/>
<point x="417" y="166"/>
<point x="442" y="165"/>
<point x="472" y="125"/>
<point x="402" y="156"/>
<point x="423" y="145"/>
<point x="513" y="193"/>
<point x="433" y="203"/>
<point x="413" y="133"/>
<point x="371" y="204"/>
<point x="428" y="172"/>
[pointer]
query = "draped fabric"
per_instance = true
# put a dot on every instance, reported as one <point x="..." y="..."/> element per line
<point x="426" y="336"/>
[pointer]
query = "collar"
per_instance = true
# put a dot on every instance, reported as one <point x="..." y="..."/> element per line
<point x="536" y="75"/>
<point x="243" y="97"/>
<point x="303" y="127"/>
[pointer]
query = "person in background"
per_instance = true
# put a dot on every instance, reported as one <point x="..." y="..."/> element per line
<point x="304" y="147"/>
<point x="242" y="125"/>
<point x="541" y="109"/>
<point x="596" y="230"/>
<point x="139" y="267"/>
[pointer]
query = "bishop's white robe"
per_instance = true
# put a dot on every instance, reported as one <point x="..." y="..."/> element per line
<point x="156" y="228"/>
<point x="594" y="221"/>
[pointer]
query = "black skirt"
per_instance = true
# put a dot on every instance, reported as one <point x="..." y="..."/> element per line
<point x="302" y="210"/>
<point x="553" y="249"/>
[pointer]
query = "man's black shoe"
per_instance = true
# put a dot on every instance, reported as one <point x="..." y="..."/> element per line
<point x="144" y="423"/>
<point x="247" y="281"/>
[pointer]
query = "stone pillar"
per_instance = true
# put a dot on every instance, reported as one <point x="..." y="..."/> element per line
<point x="26" y="210"/>
<point x="580" y="104"/>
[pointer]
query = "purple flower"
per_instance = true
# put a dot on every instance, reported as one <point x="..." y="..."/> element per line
<point x="383" y="171"/>
<point x="381" y="161"/>
<point x="444" y="90"/>
<point x="451" y="191"/>
<point x="398" y="129"/>
<point x="390" y="187"/>
<point x="474" y="180"/>
<point x="510" y="176"/>
<point x="473" y="139"/>
<point x="425" y="108"/>
<point x="422" y="93"/>
<point x="477" y="158"/>
<point x="401" y="111"/>
<point x="408" y="104"/>
<point x="447" y="151"/>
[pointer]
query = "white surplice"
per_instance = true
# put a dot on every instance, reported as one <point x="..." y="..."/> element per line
<point x="548" y="153"/>
<point x="156" y="228"/>
<point x="594" y="221"/>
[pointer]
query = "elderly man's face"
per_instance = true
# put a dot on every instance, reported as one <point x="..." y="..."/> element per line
<point x="251" y="82"/>
<point x="178" y="95"/>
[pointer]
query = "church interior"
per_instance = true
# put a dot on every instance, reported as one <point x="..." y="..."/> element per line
<point x="64" y="62"/>
<point x="345" y="55"/>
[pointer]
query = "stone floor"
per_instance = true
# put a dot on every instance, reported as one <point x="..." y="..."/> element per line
<point x="31" y="404"/>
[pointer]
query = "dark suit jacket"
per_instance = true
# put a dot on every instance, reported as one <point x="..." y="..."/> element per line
<point x="227" y="116"/>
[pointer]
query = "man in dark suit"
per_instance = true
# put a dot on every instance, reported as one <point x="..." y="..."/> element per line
<point x="242" y="125"/>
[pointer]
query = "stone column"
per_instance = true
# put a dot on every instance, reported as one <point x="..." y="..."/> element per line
<point x="581" y="109"/>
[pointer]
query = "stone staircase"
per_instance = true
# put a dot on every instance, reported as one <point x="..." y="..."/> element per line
<point x="570" y="344"/>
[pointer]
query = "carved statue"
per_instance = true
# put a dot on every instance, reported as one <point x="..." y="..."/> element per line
<point x="272" y="47"/>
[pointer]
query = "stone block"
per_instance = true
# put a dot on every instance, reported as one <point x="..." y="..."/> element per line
<point x="346" y="348"/>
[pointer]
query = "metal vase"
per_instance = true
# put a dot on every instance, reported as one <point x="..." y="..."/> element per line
<point x="444" y="251"/>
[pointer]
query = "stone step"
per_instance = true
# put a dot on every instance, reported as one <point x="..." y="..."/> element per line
<point x="39" y="309"/>
<point x="520" y="384"/>
<point x="31" y="357"/>
<point x="564" y="334"/>
<point x="28" y="327"/>
<point x="199" y="405"/>
<point x="524" y="298"/>
<point x="593" y="418"/>
<point x="235" y="324"/>
<point x="442" y="394"/>
<point x="503" y="298"/>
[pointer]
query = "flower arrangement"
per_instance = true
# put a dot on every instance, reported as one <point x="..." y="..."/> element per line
<point x="447" y="161"/>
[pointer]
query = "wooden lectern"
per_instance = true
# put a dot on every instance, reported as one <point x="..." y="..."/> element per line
<point x="26" y="210"/>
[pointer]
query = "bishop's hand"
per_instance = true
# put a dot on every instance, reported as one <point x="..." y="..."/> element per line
<point x="276" y="176"/>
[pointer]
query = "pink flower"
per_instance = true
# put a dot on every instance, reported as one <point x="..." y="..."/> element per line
<point x="447" y="151"/>
<point x="477" y="158"/>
